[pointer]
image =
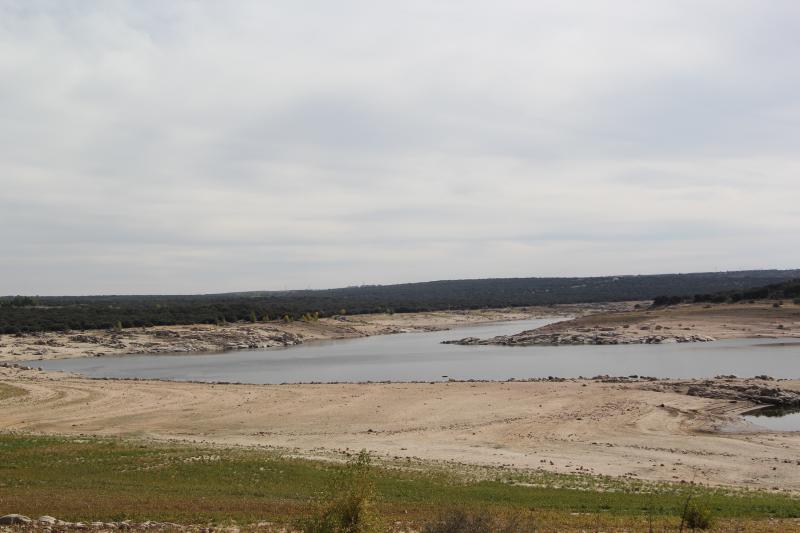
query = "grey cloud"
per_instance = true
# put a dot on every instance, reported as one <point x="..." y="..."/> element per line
<point x="201" y="146"/>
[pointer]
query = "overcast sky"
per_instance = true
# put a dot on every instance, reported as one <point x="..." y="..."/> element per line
<point x="182" y="147"/>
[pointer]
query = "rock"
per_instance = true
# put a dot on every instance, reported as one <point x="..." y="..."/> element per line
<point x="726" y="390"/>
<point x="47" y="520"/>
<point x="603" y="337"/>
<point x="14" y="520"/>
<point x="464" y="341"/>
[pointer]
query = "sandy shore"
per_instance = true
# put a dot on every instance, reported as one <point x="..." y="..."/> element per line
<point x="211" y="338"/>
<point x="616" y="429"/>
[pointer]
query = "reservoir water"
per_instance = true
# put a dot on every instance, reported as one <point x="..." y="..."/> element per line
<point x="775" y="418"/>
<point x="421" y="357"/>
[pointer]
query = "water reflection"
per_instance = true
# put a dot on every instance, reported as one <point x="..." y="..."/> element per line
<point x="775" y="418"/>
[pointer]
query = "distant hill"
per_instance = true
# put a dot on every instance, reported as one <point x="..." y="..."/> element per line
<point x="27" y="313"/>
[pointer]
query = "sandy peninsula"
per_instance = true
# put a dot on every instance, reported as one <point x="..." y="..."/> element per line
<point x="649" y="325"/>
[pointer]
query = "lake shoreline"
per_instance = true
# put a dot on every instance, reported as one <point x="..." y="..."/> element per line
<point x="205" y="338"/>
<point x="639" y="429"/>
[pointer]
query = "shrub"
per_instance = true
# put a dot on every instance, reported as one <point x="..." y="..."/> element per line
<point x="697" y="517"/>
<point x="351" y="505"/>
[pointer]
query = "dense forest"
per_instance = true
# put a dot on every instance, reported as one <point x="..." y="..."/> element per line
<point x="787" y="290"/>
<point x="43" y="313"/>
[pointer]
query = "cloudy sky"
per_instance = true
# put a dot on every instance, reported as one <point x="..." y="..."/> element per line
<point x="180" y="147"/>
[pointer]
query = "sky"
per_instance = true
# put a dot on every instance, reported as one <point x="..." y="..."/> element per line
<point x="194" y="147"/>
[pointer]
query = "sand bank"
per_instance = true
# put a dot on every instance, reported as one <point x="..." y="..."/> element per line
<point x="584" y="426"/>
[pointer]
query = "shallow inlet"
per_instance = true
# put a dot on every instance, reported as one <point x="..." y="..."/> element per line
<point x="421" y="357"/>
<point x="775" y="418"/>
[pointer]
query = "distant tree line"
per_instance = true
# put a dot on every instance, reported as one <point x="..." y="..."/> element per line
<point x="17" y="301"/>
<point x="789" y="290"/>
<point x="53" y="313"/>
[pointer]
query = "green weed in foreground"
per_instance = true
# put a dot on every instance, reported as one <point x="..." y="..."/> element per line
<point x="102" y="479"/>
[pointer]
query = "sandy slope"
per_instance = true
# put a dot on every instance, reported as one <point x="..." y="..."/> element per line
<point x="573" y="426"/>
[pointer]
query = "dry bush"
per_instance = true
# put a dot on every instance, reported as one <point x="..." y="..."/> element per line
<point x="351" y="502"/>
<point x="461" y="521"/>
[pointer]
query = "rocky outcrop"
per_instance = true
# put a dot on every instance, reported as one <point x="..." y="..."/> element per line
<point x="747" y="391"/>
<point x="17" y="366"/>
<point x="532" y="338"/>
<point x="177" y="341"/>
<point x="14" y="520"/>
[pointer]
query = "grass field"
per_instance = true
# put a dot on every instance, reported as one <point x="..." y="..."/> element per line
<point x="98" y="479"/>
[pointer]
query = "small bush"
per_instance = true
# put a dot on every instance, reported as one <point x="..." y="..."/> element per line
<point x="351" y="502"/>
<point x="697" y="517"/>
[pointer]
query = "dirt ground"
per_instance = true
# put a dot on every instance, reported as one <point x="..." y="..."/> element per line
<point x="578" y="426"/>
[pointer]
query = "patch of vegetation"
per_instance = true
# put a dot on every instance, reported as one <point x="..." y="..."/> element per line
<point x="776" y="291"/>
<point x="696" y="516"/>
<point x="350" y="505"/>
<point x="481" y="521"/>
<point x="17" y="301"/>
<point x="9" y="391"/>
<point x="22" y="314"/>
<point x="105" y="479"/>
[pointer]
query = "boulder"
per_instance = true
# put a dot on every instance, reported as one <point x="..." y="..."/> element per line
<point x="14" y="520"/>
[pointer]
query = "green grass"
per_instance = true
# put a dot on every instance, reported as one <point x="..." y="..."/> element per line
<point x="107" y="479"/>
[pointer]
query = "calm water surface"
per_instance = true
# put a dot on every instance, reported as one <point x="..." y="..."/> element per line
<point x="421" y="357"/>
<point x="775" y="418"/>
